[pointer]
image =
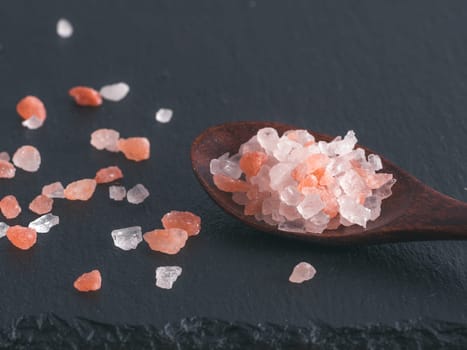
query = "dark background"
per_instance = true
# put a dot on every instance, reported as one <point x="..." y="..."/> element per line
<point x="394" y="71"/>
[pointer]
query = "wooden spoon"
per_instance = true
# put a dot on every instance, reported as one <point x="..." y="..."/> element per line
<point x="414" y="212"/>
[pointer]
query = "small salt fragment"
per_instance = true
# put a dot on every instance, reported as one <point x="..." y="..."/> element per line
<point x="27" y="158"/>
<point x="268" y="139"/>
<point x="385" y="190"/>
<point x="89" y="281"/>
<point x="115" y="92"/>
<point x="64" y="28"/>
<point x="33" y="123"/>
<point x="168" y="241"/>
<point x="41" y="204"/>
<point x="185" y="220"/>
<point x="85" y="96"/>
<point x="352" y="211"/>
<point x="109" y="174"/>
<point x="135" y="148"/>
<point x="3" y="228"/>
<point x="127" y="238"/>
<point x="105" y="139"/>
<point x="310" y="206"/>
<point x="375" y="162"/>
<point x="167" y="275"/>
<point x="297" y="226"/>
<point x="225" y="166"/>
<point x="80" y="190"/>
<point x="302" y="272"/>
<point x="4" y="156"/>
<point x="117" y="193"/>
<point x="137" y="194"/>
<point x="22" y="237"/>
<point x="291" y="196"/>
<point x="7" y="170"/>
<point x="31" y="106"/>
<point x="164" y="115"/>
<point x="54" y="190"/>
<point x="44" y="223"/>
<point x="9" y="207"/>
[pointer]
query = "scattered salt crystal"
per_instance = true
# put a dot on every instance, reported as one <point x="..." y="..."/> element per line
<point x="64" y="28"/>
<point x="302" y="272"/>
<point x="4" y="156"/>
<point x="127" y="238"/>
<point x="33" y="123"/>
<point x="7" y="170"/>
<point x="167" y="275"/>
<point x="137" y="194"/>
<point x="3" y="228"/>
<point x="117" y="193"/>
<point x="44" y="223"/>
<point x="225" y="166"/>
<point x="54" y="190"/>
<point x="115" y="92"/>
<point x="105" y="139"/>
<point x="27" y="158"/>
<point x="164" y="115"/>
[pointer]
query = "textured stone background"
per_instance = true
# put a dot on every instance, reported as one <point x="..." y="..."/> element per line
<point x="395" y="72"/>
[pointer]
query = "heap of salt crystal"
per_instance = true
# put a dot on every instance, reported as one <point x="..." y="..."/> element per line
<point x="303" y="185"/>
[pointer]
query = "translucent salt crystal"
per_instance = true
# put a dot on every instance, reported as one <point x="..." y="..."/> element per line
<point x="27" y="158"/>
<point x="302" y="272"/>
<point x="375" y="163"/>
<point x="262" y="179"/>
<point x="115" y="92"/>
<point x="385" y="190"/>
<point x="4" y="156"/>
<point x="226" y="166"/>
<point x="291" y="196"/>
<point x="279" y="175"/>
<point x="284" y="148"/>
<point x="269" y="205"/>
<point x="318" y="223"/>
<point x="64" y="28"/>
<point x="374" y="204"/>
<point x="54" y="190"/>
<point x="3" y="228"/>
<point x="289" y="212"/>
<point x="268" y="139"/>
<point x="33" y="123"/>
<point x="352" y="184"/>
<point x="310" y="206"/>
<point x="127" y="238"/>
<point x="352" y="211"/>
<point x="301" y="136"/>
<point x="167" y="275"/>
<point x="278" y="218"/>
<point x="137" y="194"/>
<point x="338" y="166"/>
<point x="44" y="223"/>
<point x="164" y="115"/>
<point x="117" y="193"/>
<point x="240" y="198"/>
<point x="297" y="226"/>
<point x="105" y="139"/>
<point x="268" y="219"/>
<point x="346" y="145"/>
<point x="252" y="145"/>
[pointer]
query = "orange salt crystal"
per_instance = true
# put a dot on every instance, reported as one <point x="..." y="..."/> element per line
<point x="316" y="161"/>
<point x="80" y="190"/>
<point x="41" y="205"/>
<point x="7" y="170"/>
<point x="184" y="220"/>
<point x="227" y="184"/>
<point x="109" y="174"/>
<point x="22" y="237"/>
<point x="168" y="241"/>
<point x="331" y="207"/>
<point x="10" y="207"/>
<point x="253" y="207"/>
<point x="85" y="96"/>
<point x="29" y="106"/>
<point x="299" y="172"/>
<point x="308" y="181"/>
<point x="135" y="148"/>
<point x="251" y="162"/>
<point x="89" y="281"/>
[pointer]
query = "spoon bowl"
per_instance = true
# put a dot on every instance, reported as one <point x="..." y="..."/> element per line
<point x="413" y="212"/>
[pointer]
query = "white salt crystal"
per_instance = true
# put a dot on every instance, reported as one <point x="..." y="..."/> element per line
<point x="289" y="212"/>
<point x="268" y="139"/>
<point x="374" y="204"/>
<point x="352" y="184"/>
<point x="310" y="206"/>
<point x="117" y="193"/>
<point x="347" y="144"/>
<point x="27" y="158"/>
<point x="33" y="123"/>
<point x="64" y="28"/>
<point x="127" y="238"/>
<point x="4" y="156"/>
<point x="352" y="211"/>
<point x="137" y="194"/>
<point x="3" y="228"/>
<point x="44" y="223"/>
<point x="167" y="275"/>
<point x="115" y="92"/>
<point x="105" y="139"/>
<point x="226" y="166"/>
<point x="302" y="272"/>
<point x="252" y="145"/>
<point x="284" y="148"/>
<point x="164" y="115"/>
<point x="54" y="190"/>
<point x="262" y="179"/>
<point x="375" y="162"/>
<point x="291" y="196"/>
<point x="297" y="226"/>
<point x="385" y="190"/>
<point x="279" y="175"/>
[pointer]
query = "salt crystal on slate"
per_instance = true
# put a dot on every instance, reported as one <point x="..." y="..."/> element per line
<point x="7" y="170"/>
<point x="27" y="158"/>
<point x="105" y="139"/>
<point x="3" y="228"/>
<point x="115" y="92"/>
<point x="64" y="28"/>
<point x="54" y="190"/>
<point x="302" y="272"/>
<point x="117" y="193"/>
<point x="137" y="194"/>
<point x="33" y="123"/>
<point x="127" y="238"/>
<point x="167" y="275"/>
<point x="4" y="156"/>
<point x="44" y="223"/>
<point x="164" y="115"/>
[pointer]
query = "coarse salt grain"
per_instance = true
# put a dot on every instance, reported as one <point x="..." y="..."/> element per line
<point x="33" y="123"/>
<point x="115" y="92"/>
<point x="164" y="115"/>
<point x="64" y="28"/>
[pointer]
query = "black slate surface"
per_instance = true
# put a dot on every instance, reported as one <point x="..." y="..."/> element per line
<point x="394" y="72"/>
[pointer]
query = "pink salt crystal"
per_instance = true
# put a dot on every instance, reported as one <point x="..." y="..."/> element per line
<point x="184" y="220"/>
<point x="302" y="272"/>
<point x="80" y="190"/>
<point x="7" y="170"/>
<point x="4" y="156"/>
<point x="168" y="241"/>
<point x="117" y="193"/>
<point x="109" y="174"/>
<point x="27" y="158"/>
<point x="105" y="139"/>
<point x="54" y="190"/>
<point x="41" y="205"/>
<point x="10" y="207"/>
